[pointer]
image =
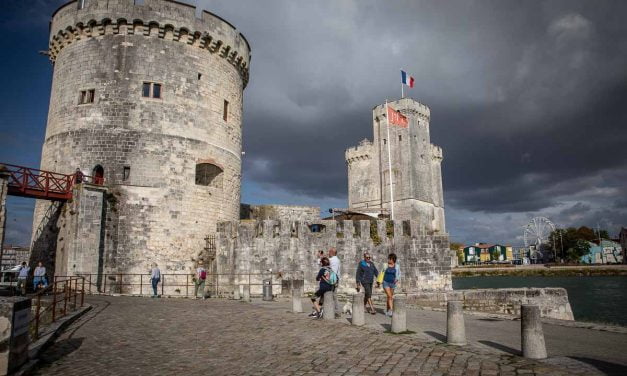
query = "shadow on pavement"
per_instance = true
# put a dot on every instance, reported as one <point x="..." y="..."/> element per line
<point x="436" y="335"/>
<point x="603" y="366"/>
<point x="500" y="347"/>
<point x="386" y="327"/>
<point x="60" y="349"/>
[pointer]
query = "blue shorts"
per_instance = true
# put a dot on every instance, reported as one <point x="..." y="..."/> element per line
<point x="389" y="284"/>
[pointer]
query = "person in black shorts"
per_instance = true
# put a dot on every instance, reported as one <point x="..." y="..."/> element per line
<point x="324" y="287"/>
<point x="366" y="273"/>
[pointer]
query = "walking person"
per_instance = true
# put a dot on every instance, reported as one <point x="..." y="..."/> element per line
<point x="22" y="277"/>
<point x="155" y="278"/>
<point x="366" y="272"/>
<point x="39" y="277"/>
<point x="327" y="278"/>
<point x="199" y="281"/>
<point x="335" y="265"/>
<point x="391" y="278"/>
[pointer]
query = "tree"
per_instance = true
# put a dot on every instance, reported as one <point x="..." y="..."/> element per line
<point x="459" y="251"/>
<point x="571" y="243"/>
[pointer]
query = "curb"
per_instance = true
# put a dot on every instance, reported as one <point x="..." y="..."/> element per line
<point x="52" y="332"/>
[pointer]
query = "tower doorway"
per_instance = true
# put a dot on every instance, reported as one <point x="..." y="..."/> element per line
<point x="98" y="174"/>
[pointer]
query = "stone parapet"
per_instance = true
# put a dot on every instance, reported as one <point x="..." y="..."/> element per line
<point x="165" y="19"/>
<point x="553" y="301"/>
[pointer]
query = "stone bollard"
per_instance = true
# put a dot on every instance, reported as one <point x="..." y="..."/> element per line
<point x="399" y="315"/>
<point x="329" y="306"/>
<point x="533" y="346"/>
<point x="455" y="328"/>
<point x="246" y="293"/>
<point x="236" y="293"/>
<point x="357" y="317"/>
<point x="297" y="304"/>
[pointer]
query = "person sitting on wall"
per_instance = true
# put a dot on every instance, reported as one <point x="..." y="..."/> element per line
<point x="366" y="272"/>
<point x="327" y="278"/>
<point x="22" y="277"/>
<point x="39" y="279"/>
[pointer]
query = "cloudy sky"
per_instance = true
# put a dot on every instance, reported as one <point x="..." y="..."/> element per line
<point x="528" y="100"/>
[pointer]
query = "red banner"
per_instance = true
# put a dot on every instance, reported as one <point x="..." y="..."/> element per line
<point x="396" y="118"/>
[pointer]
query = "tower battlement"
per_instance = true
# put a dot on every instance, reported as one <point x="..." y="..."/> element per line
<point x="363" y="152"/>
<point x="164" y="19"/>
<point x="436" y="152"/>
<point x="406" y="106"/>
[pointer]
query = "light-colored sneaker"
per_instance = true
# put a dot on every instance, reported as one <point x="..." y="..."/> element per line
<point x="389" y="313"/>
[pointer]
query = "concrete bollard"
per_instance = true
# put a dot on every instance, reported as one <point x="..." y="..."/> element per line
<point x="357" y="317"/>
<point x="455" y="328"/>
<point x="328" y="306"/>
<point x="236" y="293"/>
<point x="246" y="293"/>
<point x="533" y="346"/>
<point x="297" y="304"/>
<point x="399" y="315"/>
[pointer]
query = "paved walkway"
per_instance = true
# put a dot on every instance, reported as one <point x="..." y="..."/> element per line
<point x="143" y="336"/>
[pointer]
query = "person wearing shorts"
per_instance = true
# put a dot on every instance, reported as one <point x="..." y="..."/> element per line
<point x="324" y="287"/>
<point x="366" y="272"/>
<point x="391" y="277"/>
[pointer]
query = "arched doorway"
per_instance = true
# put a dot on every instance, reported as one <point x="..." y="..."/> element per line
<point x="98" y="174"/>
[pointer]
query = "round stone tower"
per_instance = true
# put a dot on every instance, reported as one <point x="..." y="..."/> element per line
<point x="148" y="95"/>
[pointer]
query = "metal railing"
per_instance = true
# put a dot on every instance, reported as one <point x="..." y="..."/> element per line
<point x="64" y="291"/>
<point x="174" y="284"/>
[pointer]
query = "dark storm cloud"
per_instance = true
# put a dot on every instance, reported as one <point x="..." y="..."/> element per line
<point x="527" y="100"/>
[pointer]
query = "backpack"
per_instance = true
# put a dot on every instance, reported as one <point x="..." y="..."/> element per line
<point x="329" y="276"/>
<point x="203" y="274"/>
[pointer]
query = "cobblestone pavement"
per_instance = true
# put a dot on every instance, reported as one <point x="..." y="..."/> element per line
<point x="143" y="336"/>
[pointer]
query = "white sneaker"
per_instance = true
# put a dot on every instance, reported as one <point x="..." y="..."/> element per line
<point x="388" y="313"/>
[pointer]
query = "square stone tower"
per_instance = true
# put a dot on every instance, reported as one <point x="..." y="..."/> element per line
<point x="416" y="183"/>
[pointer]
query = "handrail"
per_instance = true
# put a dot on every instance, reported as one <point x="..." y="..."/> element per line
<point x="139" y="283"/>
<point x="70" y="290"/>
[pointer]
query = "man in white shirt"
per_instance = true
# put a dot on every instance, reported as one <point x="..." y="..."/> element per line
<point x="21" y="278"/>
<point x="336" y="265"/>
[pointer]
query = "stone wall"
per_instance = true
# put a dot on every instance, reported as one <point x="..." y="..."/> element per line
<point x="290" y="248"/>
<point x="162" y="205"/>
<point x="280" y="212"/>
<point x="553" y="302"/>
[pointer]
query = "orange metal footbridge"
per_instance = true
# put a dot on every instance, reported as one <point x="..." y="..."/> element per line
<point x="44" y="185"/>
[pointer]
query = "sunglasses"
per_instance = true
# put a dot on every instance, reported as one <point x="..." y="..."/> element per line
<point x="367" y="257"/>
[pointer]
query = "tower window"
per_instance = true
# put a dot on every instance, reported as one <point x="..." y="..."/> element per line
<point x="225" y="113"/>
<point x="400" y="138"/>
<point x="199" y="76"/>
<point x="87" y="96"/>
<point x="127" y="173"/>
<point x="385" y="141"/>
<point x="151" y="90"/>
<point x="209" y="175"/>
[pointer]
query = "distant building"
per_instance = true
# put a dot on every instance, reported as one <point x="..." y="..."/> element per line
<point x="607" y="252"/>
<point x="13" y="255"/>
<point x="622" y="238"/>
<point x="483" y="252"/>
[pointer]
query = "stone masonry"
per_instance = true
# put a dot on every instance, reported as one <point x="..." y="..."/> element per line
<point x="151" y="94"/>
<point x="416" y="168"/>
<point x="291" y="249"/>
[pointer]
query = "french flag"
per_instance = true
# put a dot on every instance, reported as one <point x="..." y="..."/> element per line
<point x="407" y="79"/>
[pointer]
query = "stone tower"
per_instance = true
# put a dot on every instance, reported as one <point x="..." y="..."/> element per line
<point x="147" y="95"/>
<point x="416" y="168"/>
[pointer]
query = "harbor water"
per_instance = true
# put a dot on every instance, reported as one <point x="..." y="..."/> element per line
<point x="601" y="299"/>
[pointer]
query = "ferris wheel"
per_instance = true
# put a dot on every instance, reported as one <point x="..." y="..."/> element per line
<point x="537" y="231"/>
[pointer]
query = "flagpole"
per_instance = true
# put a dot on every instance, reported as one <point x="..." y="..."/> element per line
<point x="387" y="116"/>
<point x="402" y="91"/>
